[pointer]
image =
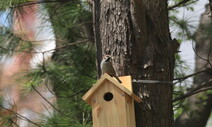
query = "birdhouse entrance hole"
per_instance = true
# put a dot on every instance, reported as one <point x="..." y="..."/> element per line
<point x="108" y="96"/>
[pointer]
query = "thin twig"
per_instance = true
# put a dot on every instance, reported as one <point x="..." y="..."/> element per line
<point x="38" y="2"/>
<point x="69" y="96"/>
<point x="202" y="90"/>
<point x="20" y="116"/>
<point x="204" y="84"/>
<point x="179" y="4"/>
<point x="195" y="90"/>
<point x="206" y="60"/>
<point x="70" y="44"/>
<point x="48" y="101"/>
<point x="13" y="122"/>
<point x="44" y="67"/>
<point x="190" y="94"/>
<point x="188" y="76"/>
<point x="209" y="53"/>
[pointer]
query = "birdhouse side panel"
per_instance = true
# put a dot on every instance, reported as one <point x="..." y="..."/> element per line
<point x="98" y="108"/>
<point x="130" y="111"/>
<point x="109" y="107"/>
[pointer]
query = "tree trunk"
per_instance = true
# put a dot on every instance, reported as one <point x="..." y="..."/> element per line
<point x="200" y="104"/>
<point x="136" y="34"/>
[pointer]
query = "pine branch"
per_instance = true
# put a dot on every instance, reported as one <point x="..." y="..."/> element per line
<point x="184" y="2"/>
<point x="69" y="96"/>
<point x="13" y="122"/>
<point x="188" y="76"/>
<point x="190" y="94"/>
<point x="48" y="101"/>
<point x="202" y="87"/>
<point x="61" y="47"/>
<point x="38" y="2"/>
<point x="20" y="116"/>
<point x="65" y="46"/>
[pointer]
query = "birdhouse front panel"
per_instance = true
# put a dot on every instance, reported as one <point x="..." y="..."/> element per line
<point x="112" y="107"/>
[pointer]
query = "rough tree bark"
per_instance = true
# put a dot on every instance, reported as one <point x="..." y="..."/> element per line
<point x="200" y="104"/>
<point x="136" y="34"/>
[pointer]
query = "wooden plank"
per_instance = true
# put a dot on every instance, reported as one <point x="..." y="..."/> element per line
<point x="110" y="113"/>
<point x="127" y="82"/>
<point x="130" y="111"/>
<point x="94" y="88"/>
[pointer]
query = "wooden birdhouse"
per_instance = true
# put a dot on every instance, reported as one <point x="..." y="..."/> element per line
<point x="112" y="103"/>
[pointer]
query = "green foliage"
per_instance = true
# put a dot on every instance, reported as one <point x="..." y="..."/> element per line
<point x="11" y="43"/>
<point x="209" y="91"/>
<point x="8" y="42"/>
<point x="71" y="78"/>
<point x="183" y="27"/>
<point x="180" y="107"/>
<point x="68" y="19"/>
<point x="69" y="87"/>
<point x="72" y="69"/>
<point x="188" y="4"/>
<point x="5" y="4"/>
<point x="180" y="67"/>
<point x="7" y="117"/>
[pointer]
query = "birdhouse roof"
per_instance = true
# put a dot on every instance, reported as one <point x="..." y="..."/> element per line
<point x="100" y="82"/>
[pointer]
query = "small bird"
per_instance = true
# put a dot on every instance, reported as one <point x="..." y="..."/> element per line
<point x="107" y="67"/>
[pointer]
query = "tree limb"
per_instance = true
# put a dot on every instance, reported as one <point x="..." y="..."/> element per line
<point x="203" y="87"/>
<point x="188" y="76"/>
<point x="61" y="47"/>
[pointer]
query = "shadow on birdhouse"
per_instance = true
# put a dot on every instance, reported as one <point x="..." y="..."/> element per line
<point x="112" y="103"/>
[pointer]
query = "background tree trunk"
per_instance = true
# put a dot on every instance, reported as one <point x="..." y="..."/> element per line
<point x="200" y="104"/>
<point x="136" y="34"/>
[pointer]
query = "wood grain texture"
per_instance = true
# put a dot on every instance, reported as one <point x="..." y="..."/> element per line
<point x="115" y="113"/>
<point x="127" y="82"/>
